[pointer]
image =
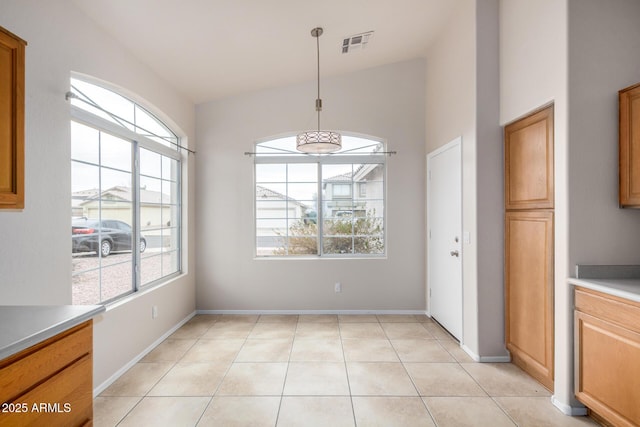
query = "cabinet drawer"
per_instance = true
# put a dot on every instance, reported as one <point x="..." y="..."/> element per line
<point x="620" y="311"/>
<point x="27" y="369"/>
<point x="64" y="400"/>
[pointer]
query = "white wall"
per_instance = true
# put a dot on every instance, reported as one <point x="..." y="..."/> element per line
<point x="604" y="57"/>
<point x="35" y="247"/>
<point x="489" y="184"/>
<point x="533" y="72"/>
<point x="578" y="54"/>
<point x="462" y="100"/>
<point x="386" y="102"/>
<point x="451" y="112"/>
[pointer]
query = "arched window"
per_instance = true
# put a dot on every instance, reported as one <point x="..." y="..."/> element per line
<point x="320" y="205"/>
<point x="125" y="194"/>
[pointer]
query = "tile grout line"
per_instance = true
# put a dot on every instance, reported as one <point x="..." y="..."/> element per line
<point x="490" y="396"/>
<point x="158" y="381"/>
<point x="406" y="371"/>
<point x="221" y="379"/>
<point x="346" y="370"/>
<point x="286" y="373"/>
<point x="424" y="403"/>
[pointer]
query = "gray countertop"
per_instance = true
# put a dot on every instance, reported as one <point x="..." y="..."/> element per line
<point x="26" y="325"/>
<point x="623" y="288"/>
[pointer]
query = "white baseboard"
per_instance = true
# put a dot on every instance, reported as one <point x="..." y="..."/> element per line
<point x="485" y="359"/>
<point x="344" y="312"/>
<point x="99" y="389"/>
<point x="574" y="411"/>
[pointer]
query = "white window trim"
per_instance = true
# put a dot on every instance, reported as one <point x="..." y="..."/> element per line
<point x="84" y="117"/>
<point x="374" y="158"/>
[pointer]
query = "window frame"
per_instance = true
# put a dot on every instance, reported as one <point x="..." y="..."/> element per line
<point x="322" y="159"/>
<point x="77" y="114"/>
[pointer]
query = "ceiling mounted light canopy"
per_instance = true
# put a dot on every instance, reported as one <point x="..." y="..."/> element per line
<point x="318" y="141"/>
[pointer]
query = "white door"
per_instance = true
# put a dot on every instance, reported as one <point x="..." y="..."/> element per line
<point x="444" y="216"/>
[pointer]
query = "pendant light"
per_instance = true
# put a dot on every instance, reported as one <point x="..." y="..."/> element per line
<point x="318" y="141"/>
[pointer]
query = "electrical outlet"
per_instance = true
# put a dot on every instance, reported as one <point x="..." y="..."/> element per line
<point x="338" y="287"/>
<point x="154" y="311"/>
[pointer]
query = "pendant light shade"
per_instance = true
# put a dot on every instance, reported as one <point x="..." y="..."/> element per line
<point x="318" y="141"/>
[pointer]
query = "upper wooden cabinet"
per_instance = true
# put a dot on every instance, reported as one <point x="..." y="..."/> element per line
<point x="12" y="50"/>
<point x="528" y="151"/>
<point x="629" y="139"/>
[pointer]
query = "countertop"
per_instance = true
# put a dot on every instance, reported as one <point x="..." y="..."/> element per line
<point x="623" y="288"/>
<point x="26" y="325"/>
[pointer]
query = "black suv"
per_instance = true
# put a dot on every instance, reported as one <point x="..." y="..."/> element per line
<point x="92" y="235"/>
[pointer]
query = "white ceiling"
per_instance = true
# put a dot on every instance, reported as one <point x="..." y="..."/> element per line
<point x="211" y="49"/>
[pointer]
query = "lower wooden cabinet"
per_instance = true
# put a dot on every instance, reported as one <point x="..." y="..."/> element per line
<point x="50" y="383"/>
<point x="607" y="352"/>
<point x="529" y="292"/>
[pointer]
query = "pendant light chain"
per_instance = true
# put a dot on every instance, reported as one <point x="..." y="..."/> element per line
<point x="318" y="100"/>
<point x="318" y="141"/>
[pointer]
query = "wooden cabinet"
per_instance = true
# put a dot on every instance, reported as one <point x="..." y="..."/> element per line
<point x="529" y="243"/>
<point x="607" y="352"/>
<point x="529" y="292"/>
<point x="629" y="146"/>
<point x="12" y="52"/>
<point x="528" y="151"/>
<point x="50" y="383"/>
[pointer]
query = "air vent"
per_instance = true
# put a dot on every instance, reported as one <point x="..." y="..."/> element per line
<point x="356" y="42"/>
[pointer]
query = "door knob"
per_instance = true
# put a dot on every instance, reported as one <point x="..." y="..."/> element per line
<point x="455" y="253"/>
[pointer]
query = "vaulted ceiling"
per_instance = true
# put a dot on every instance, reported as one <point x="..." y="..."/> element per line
<point x="211" y="49"/>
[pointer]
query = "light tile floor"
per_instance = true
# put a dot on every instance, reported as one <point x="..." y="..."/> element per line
<point x="321" y="370"/>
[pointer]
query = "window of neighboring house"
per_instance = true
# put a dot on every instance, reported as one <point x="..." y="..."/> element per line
<point x="305" y="204"/>
<point x="341" y="190"/>
<point x="362" y="187"/>
<point x="125" y="194"/>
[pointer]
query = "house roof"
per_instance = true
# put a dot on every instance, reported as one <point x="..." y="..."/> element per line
<point x="266" y="193"/>
<point x="358" y="174"/>
<point x="121" y="193"/>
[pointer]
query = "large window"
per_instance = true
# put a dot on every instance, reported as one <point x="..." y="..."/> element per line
<point x="320" y="205"/>
<point x="125" y="196"/>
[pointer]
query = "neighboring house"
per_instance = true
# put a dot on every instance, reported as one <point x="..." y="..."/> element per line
<point x="155" y="208"/>
<point x="274" y="214"/>
<point x="78" y="198"/>
<point x="355" y="194"/>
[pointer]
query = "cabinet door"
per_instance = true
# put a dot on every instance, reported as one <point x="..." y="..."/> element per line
<point x="629" y="101"/>
<point x="529" y="292"/>
<point x="607" y="369"/>
<point x="528" y="150"/>
<point x="11" y="121"/>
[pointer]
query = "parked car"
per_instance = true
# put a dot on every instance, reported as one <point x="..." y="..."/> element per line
<point x="92" y="235"/>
